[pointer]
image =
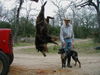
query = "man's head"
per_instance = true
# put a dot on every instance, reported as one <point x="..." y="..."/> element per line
<point x="66" y="21"/>
<point x="35" y="0"/>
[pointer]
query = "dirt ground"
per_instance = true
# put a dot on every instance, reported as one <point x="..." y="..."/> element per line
<point x="36" y="64"/>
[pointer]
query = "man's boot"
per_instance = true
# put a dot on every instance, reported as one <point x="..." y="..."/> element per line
<point x="69" y="66"/>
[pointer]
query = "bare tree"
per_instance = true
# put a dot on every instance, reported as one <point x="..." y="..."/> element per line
<point x="96" y="5"/>
<point x="3" y="13"/>
<point x="17" y="17"/>
<point x="60" y="10"/>
<point x="1" y="9"/>
<point x="18" y="10"/>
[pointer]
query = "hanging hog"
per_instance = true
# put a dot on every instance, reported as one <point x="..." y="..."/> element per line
<point x="42" y="37"/>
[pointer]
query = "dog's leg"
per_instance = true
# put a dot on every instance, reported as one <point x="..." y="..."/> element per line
<point x="69" y="54"/>
<point x="79" y="62"/>
<point x="63" y="60"/>
<point x="63" y="66"/>
<point x="75" y="59"/>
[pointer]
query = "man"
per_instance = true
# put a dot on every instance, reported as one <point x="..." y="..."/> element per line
<point x="67" y="37"/>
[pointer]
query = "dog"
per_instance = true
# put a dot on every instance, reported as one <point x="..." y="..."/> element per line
<point x="64" y="56"/>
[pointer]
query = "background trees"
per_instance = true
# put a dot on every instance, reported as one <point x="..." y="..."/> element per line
<point x="96" y="5"/>
<point x="22" y="17"/>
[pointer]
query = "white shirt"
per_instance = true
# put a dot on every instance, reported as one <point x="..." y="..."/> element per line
<point x="66" y="32"/>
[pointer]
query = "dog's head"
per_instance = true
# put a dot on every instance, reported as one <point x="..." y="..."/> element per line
<point x="62" y="50"/>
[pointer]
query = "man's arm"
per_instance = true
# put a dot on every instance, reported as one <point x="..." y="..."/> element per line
<point x="61" y="35"/>
<point x="72" y="33"/>
<point x="72" y="37"/>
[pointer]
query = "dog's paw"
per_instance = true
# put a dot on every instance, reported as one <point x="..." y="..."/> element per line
<point x="79" y="66"/>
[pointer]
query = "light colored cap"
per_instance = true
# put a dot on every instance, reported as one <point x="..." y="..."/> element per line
<point x="66" y="19"/>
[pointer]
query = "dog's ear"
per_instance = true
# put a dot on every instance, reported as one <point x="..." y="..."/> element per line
<point x="62" y="50"/>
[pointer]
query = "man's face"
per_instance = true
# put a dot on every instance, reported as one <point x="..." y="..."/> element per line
<point x="66" y="22"/>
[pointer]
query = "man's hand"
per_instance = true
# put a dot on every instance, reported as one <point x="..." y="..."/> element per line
<point x="63" y="44"/>
<point x="73" y="44"/>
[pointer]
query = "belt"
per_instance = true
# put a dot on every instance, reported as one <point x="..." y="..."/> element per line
<point x="68" y="38"/>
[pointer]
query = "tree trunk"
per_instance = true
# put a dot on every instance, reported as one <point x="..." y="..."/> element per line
<point x="98" y="20"/>
<point x="17" y="21"/>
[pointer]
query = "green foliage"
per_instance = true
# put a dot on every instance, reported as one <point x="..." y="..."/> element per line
<point x="27" y="29"/>
<point x="54" y="30"/>
<point x="22" y="44"/>
<point x="82" y="32"/>
<point x="26" y="51"/>
<point x="87" y="46"/>
<point x="82" y="46"/>
<point x="4" y="24"/>
<point x="96" y="35"/>
<point x="53" y="49"/>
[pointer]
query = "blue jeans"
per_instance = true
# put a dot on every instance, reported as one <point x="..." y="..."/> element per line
<point x="68" y="44"/>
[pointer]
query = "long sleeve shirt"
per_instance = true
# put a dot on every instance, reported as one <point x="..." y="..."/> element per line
<point x="66" y="32"/>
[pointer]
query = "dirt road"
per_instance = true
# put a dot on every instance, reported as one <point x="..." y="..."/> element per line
<point x="36" y="64"/>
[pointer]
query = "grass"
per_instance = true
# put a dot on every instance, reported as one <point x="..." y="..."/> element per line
<point x="22" y="44"/>
<point x="27" y="51"/>
<point x="85" y="47"/>
<point x="53" y="49"/>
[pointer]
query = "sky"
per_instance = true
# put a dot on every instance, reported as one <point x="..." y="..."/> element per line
<point x="49" y="8"/>
<point x="8" y="4"/>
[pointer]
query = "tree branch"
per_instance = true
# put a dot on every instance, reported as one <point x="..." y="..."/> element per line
<point x="18" y="11"/>
<point x="96" y="7"/>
